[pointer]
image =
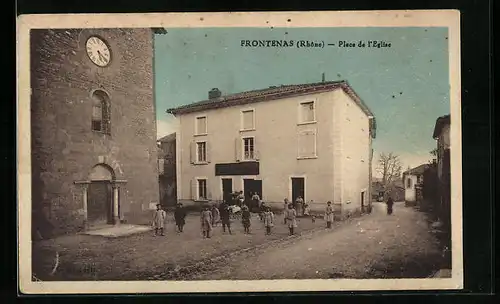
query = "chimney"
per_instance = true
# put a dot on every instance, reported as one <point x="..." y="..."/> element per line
<point x="214" y="93"/>
<point x="323" y="77"/>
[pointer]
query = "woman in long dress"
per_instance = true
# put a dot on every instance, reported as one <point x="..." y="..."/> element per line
<point x="291" y="218"/>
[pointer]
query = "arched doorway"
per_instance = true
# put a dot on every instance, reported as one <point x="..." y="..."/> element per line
<point x="100" y="202"/>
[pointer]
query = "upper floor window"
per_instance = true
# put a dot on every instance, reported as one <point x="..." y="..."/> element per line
<point x="201" y="152"/>
<point x="249" y="148"/>
<point x="307" y="112"/>
<point x="247" y="120"/>
<point x="307" y="144"/>
<point x="201" y="125"/>
<point x="101" y="114"/>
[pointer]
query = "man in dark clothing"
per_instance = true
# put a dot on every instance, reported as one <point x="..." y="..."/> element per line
<point x="180" y="217"/>
<point x="224" y="217"/>
<point x="390" y="203"/>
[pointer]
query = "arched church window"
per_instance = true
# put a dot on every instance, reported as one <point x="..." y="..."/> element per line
<point x="101" y="114"/>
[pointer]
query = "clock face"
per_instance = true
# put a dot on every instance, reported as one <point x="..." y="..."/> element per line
<point x="98" y="51"/>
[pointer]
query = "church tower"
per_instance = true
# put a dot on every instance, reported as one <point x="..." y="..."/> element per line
<point x="93" y="128"/>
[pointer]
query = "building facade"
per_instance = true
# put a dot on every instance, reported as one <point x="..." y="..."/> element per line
<point x="312" y="140"/>
<point x="167" y="170"/>
<point x="413" y="181"/>
<point x="442" y="136"/>
<point x="93" y="129"/>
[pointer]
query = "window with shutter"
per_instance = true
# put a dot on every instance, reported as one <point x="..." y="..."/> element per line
<point x="201" y="125"/>
<point x="237" y="149"/>
<point x="201" y="152"/>
<point x="307" y="112"/>
<point x="307" y="144"/>
<point x="247" y="120"/>
<point x="202" y="189"/>
<point x="248" y="148"/>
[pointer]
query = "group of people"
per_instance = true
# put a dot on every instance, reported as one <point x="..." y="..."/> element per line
<point x="212" y="215"/>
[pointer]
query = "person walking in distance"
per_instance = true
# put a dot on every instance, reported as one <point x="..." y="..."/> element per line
<point x="390" y="203"/>
<point x="224" y="216"/>
<point x="245" y="218"/>
<point x="291" y="218"/>
<point x="159" y="217"/>
<point x="329" y="215"/>
<point x="206" y="222"/>
<point x="180" y="217"/>
<point x="268" y="219"/>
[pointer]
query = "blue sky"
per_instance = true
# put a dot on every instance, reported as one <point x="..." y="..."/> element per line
<point x="406" y="86"/>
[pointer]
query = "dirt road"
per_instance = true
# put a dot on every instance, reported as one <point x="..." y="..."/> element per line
<point x="374" y="246"/>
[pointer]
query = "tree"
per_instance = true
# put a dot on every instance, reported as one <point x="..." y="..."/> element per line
<point x="389" y="166"/>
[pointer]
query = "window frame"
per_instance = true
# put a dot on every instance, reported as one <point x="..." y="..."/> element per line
<point x="315" y="154"/>
<point x="198" y="161"/>
<point x="242" y="120"/>
<point x="254" y="158"/>
<point x="198" y="196"/>
<point x="300" y="114"/>
<point x="104" y="101"/>
<point x="196" y="131"/>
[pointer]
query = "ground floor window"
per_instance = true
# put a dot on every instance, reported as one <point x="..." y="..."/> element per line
<point x="202" y="189"/>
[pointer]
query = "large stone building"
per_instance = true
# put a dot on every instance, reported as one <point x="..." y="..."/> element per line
<point x="312" y="140"/>
<point x="93" y="129"/>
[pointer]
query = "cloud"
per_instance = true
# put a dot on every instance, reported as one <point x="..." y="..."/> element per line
<point x="165" y="127"/>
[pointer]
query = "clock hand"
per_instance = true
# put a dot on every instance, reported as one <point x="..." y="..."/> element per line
<point x="101" y="57"/>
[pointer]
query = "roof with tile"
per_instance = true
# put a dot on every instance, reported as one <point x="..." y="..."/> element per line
<point x="271" y="93"/>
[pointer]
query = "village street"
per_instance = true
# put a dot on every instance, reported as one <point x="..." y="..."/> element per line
<point x="374" y="246"/>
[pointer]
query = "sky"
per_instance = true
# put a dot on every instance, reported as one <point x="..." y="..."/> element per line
<point x="406" y="86"/>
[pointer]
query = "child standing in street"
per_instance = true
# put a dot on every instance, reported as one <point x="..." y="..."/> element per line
<point x="291" y="218"/>
<point x="224" y="216"/>
<point x="206" y="222"/>
<point x="159" y="217"/>
<point x="329" y="215"/>
<point x="245" y="218"/>
<point x="268" y="220"/>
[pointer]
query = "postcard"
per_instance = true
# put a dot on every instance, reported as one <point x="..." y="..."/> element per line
<point x="239" y="152"/>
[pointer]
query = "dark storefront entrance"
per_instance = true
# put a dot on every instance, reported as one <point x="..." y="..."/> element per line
<point x="251" y="186"/>
<point x="227" y="189"/>
<point x="298" y="188"/>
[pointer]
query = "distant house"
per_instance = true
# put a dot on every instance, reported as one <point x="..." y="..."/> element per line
<point x="167" y="169"/>
<point x="442" y="135"/>
<point x="413" y="180"/>
<point x="395" y="189"/>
